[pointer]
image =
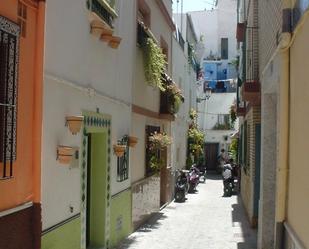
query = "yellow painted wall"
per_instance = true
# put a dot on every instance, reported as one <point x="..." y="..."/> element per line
<point x="298" y="201"/>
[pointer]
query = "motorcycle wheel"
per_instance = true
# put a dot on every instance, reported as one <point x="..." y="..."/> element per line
<point x="179" y="196"/>
<point x="191" y="188"/>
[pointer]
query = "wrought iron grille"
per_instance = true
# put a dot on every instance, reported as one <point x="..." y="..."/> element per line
<point x="123" y="162"/>
<point x="9" y="44"/>
<point x="97" y="7"/>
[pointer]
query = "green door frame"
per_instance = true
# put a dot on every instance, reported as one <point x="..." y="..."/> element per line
<point x="98" y="126"/>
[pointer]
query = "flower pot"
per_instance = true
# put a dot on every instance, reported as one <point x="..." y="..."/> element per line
<point x="114" y="42"/>
<point x="65" y="154"/>
<point x="74" y="123"/>
<point x="119" y="150"/>
<point x="132" y="141"/>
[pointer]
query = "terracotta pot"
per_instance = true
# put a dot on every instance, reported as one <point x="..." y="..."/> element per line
<point x="119" y="150"/>
<point x="65" y="154"/>
<point x="74" y="123"/>
<point x="132" y="141"/>
<point x="114" y="42"/>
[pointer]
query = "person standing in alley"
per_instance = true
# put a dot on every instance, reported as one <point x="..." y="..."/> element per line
<point x="222" y="159"/>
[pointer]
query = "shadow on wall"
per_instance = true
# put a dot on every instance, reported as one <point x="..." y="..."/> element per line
<point x="244" y="234"/>
<point x="152" y="223"/>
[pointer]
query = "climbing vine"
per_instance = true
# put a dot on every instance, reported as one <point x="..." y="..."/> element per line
<point x="196" y="140"/>
<point x="154" y="63"/>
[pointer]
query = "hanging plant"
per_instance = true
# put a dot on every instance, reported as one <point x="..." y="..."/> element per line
<point x="175" y="97"/>
<point x="156" y="163"/>
<point x="154" y="63"/>
<point x="159" y="141"/>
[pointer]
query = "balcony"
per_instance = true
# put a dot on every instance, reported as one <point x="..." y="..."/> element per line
<point x="170" y="99"/>
<point x="104" y="10"/>
<point x="102" y="15"/>
<point x="241" y="111"/>
<point x="251" y="92"/>
<point x="240" y="32"/>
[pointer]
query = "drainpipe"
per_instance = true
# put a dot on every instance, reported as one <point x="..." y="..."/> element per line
<point x="38" y="100"/>
<point x="37" y="124"/>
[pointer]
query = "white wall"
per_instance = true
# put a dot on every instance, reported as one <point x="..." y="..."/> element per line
<point x="216" y="24"/>
<point x="60" y="184"/>
<point x="182" y="74"/>
<point x="75" y="60"/>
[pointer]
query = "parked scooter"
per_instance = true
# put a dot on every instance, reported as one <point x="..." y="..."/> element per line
<point x="194" y="178"/>
<point x="202" y="173"/>
<point x="228" y="180"/>
<point x="181" y="186"/>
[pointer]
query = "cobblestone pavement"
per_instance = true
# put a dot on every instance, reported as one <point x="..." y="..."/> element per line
<point x="205" y="221"/>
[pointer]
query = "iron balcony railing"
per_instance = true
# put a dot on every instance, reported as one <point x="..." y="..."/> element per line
<point x="103" y="9"/>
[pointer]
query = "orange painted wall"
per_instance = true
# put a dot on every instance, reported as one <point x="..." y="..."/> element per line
<point x="25" y="184"/>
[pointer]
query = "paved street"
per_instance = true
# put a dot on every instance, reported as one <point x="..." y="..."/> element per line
<point x="205" y="221"/>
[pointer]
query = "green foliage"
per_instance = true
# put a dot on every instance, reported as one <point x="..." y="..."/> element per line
<point x="159" y="141"/>
<point x="154" y="63"/>
<point x="193" y="115"/>
<point x="234" y="148"/>
<point x="233" y="115"/>
<point x="196" y="140"/>
<point x="156" y="163"/>
<point x="175" y="97"/>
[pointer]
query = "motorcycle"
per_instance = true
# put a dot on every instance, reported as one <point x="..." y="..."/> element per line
<point x="202" y="173"/>
<point x="194" y="179"/>
<point x="181" y="186"/>
<point x="229" y="187"/>
<point x="228" y="180"/>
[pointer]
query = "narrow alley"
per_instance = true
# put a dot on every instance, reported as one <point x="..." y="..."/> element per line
<point x="205" y="221"/>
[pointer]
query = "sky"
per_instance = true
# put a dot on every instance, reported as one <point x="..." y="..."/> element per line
<point x="192" y="5"/>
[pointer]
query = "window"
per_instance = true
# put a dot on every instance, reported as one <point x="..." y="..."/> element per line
<point x="22" y="18"/>
<point x="9" y="43"/>
<point x="224" y="48"/>
<point x="123" y="162"/>
<point x="149" y="153"/>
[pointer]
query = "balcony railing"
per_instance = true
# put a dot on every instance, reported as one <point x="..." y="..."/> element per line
<point x="251" y="92"/>
<point x="241" y="111"/>
<point x="103" y="9"/>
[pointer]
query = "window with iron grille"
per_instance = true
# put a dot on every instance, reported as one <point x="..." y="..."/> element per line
<point x="123" y="162"/>
<point x="9" y="44"/>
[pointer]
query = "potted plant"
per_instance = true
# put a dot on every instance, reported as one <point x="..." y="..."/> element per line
<point x="159" y="141"/>
<point x="64" y="154"/>
<point x="119" y="149"/>
<point x="175" y="97"/>
<point x="132" y="141"/>
<point x="74" y="123"/>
